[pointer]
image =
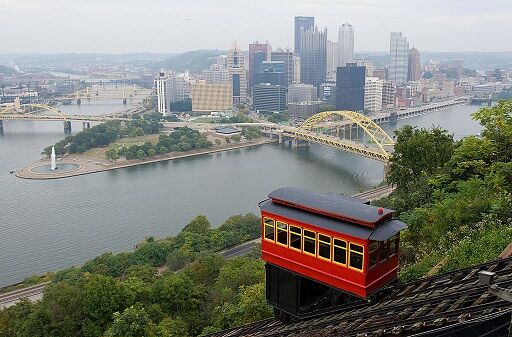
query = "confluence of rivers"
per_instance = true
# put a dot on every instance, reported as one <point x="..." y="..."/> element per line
<point x="53" y="224"/>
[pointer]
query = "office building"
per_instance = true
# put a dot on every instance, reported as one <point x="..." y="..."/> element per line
<point x="264" y="50"/>
<point x="237" y="74"/>
<point x="269" y="98"/>
<point x="350" y="82"/>
<point x="332" y="57"/>
<point x="285" y="56"/>
<point x="398" y="58"/>
<point x="368" y="66"/>
<point x="304" y="23"/>
<point x="313" y="56"/>
<point x="212" y="97"/>
<point x="345" y="44"/>
<point x="414" y="67"/>
<point x="273" y="72"/>
<point x="373" y="94"/>
<point x="388" y="94"/>
<point x="180" y="86"/>
<point x="162" y="86"/>
<point x="216" y="74"/>
<point x="303" y="110"/>
<point x="301" y="93"/>
<point x="458" y="65"/>
<point x="296" y="69"/>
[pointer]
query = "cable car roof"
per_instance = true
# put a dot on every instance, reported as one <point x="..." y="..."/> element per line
<point x="332" y="205"/>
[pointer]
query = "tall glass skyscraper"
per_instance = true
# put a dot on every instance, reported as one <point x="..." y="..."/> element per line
<point x="350" y="83"/>
<point x="345" y="44"/>
<point x="236" y="70"/>
<point x="302" y="22"/>
<point x="398" y="58"/>
<point x="313" y="56"/>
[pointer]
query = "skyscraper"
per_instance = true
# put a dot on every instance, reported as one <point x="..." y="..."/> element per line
<point x="302" y="22"/>
<point x="398" y="58"/>
<point x="313" y="56"/>
<point x="285" y="56"/>
<point x="373" y="94"/>
<point x="235" y="61"/>
<point x="345" y="44"/>
<point x="254" y="48"/>
<point x="332" y="58"/>
<point x="350" y="82"/>
<point x="414" y="70"/>
<point x="163" y="95"/>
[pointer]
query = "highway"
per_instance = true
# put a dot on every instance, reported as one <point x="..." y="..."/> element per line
<point x="35" y="293"/>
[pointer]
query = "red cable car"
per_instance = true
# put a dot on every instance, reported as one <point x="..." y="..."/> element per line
<point x="325" y="249"/>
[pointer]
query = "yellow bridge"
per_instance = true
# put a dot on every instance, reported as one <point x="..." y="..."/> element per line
<point x="312" y="130"/>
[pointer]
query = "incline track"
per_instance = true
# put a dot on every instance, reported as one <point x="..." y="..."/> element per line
<point x="422" y="305"/>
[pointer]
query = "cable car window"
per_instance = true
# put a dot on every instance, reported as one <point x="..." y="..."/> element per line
<point x="296" y="237"/>
<point x="269" y="229"/>
<point x="394" y="246"/>
<point x="282" y="233"/>
<point x="374" y="252"/>
<point x="340" y="252"/>
<point x="383" y="248"/>
<point x="324" y="247"/>
<point x="356" y="256"/>
<point x="309" y="242"/>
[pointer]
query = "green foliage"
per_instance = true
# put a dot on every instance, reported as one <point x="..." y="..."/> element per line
<point x="279" y="117"/>
<point x="132" y="322"/>
<point x="200" y="225"/>
<point x="103" y="134"/>
<point x="251" y="133"/>
<point x="447" y="191"/>
<point x="240" y="118"/>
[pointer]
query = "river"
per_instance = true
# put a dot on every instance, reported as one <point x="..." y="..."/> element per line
<point x="53" y="224"/>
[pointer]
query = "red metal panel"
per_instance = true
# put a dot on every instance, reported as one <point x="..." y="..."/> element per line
<point x="335" y="275"/>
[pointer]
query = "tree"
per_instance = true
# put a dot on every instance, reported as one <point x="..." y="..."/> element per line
<point x="418" y="154"/>
<point x="218" y="142"/>
<point x="102" y="297"/>
<point x="199" y="225"/>
<point x="112" y="154"/>
<point x="237" y="138"/>
<point x="132" y="322"/>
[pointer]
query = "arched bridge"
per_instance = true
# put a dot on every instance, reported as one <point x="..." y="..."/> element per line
<point x="376" y="148"/>
<point x="314" y="130"/>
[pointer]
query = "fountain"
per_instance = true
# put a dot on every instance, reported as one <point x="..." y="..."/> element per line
<point x="54" y="164"/>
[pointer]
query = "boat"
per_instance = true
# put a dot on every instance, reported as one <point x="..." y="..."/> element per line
<point x="12" y="171"/>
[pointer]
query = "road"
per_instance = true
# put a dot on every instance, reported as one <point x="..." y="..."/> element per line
<point x="35" y="293"/>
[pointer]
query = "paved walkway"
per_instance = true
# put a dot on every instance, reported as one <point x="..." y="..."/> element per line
<point x="89" y="166"/>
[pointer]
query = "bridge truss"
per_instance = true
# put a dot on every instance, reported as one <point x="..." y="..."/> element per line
<point x="379" y="138"/>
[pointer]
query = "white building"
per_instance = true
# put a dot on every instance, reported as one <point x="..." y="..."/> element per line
<point x="398" y="58"/>
<point x="216" y="74"/>
<point x="162" y="86"/>
<point x="345" y="44"/>
<point x="180" y="86"/>
<point x="296" y="69"/>
<point x="373" y="94"/>
<point x="301" y="93"/>
<point x="332" y="58"/>
<point x="369" y="67"/>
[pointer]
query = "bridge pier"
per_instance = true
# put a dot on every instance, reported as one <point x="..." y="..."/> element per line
<point x="489" y="102"/>
<point x="86" y="125"/>
<point x="386" y="170"/>
<point x="79" y="101"/>
<point x="296" y="143"/>
<point x="67" y="127"/>
<point x="124" y="101"/>
<point x="393" y="117"/>
<point x="1" y="127"/>
<point x="280" y="135"/>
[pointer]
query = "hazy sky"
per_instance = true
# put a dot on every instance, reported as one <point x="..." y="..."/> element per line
<point x="119" y="26"/>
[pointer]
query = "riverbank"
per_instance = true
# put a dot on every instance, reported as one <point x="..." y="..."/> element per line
<point x="95" y="165"/>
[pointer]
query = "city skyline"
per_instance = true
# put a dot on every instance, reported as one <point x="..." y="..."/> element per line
<point x="127" y="26"/>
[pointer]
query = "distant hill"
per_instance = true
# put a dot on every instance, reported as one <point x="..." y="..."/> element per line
<point x="7" y="70"/>
<point x="193" y="61"/>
